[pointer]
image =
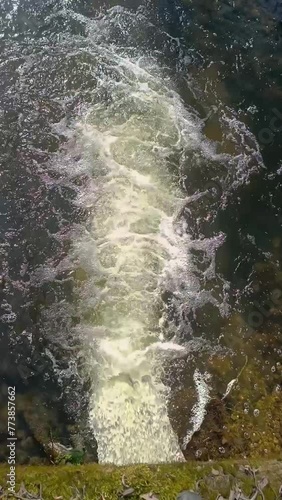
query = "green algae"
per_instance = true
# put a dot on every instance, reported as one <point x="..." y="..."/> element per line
<point x="166" y="481"/>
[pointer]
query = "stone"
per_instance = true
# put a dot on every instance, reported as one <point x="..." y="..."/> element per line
<point x="188" y="495"/>
<point x="149" y="496"/>
<point x="127" y="493"/>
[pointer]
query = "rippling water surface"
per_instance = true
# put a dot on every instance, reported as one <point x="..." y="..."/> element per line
<point x="140" y="223"/>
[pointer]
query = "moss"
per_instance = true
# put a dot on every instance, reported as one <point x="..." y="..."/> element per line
<point x="247" y="422"/>
<point x="166" y="481"/>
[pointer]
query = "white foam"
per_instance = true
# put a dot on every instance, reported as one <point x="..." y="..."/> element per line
<point x="198" y="410"/>
<point x="138" y="246"/>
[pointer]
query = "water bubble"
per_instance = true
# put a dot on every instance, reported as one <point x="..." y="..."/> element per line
<point x="198" y="453"/>
<point x="221" y="449"/>
<point x="247" y="406"/>
<point x="277" y="388"/>
<point x="246" y="411"/>
<point x="256" y="412"/>
<point x="273" y="369"/>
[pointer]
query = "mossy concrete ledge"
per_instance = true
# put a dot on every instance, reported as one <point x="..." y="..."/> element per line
<point x="93" y="481"/>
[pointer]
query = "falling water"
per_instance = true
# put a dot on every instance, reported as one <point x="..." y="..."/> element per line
<point x="136" y="245"/>
<point x="132" y="140"/>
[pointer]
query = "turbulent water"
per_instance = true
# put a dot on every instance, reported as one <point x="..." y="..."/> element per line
<point x="135" y="246"/>
<point x="133" y="160"/>
<point x="133" y="141"/>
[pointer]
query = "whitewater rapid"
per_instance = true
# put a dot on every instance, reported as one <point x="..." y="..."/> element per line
<point x="137" y="247"/>
<point x="132" y="140"/>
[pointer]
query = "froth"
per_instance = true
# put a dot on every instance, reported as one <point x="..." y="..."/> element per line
<point x="132" y="138"/>
<point x="136" y="245"/>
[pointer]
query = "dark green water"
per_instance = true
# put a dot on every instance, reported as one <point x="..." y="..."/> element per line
<point x="57" y="61"/>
